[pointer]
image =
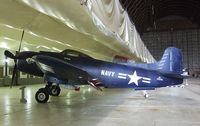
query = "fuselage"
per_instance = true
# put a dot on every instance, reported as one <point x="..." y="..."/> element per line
<point x="110" y="74"/>
<point x="123" y="76"/>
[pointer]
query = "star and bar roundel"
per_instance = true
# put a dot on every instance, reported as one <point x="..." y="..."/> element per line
<point x="133" y="78"/>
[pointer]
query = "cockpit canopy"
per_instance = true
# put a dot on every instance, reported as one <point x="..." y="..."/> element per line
<point x="74" y="53"/>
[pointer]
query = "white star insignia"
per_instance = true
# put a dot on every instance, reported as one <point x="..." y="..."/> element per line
<point x="134" y="78"/>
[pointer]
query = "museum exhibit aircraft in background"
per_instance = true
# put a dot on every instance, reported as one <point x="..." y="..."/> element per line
<point x="71" y="67"/>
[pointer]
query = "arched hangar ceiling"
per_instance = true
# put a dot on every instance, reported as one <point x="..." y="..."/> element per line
<point x="54" y="26"/>
<point x="147" y="13"/>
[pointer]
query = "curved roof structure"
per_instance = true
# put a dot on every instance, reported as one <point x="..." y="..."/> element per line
<point x="147" y="13"/>
<point x="55" y="26"/>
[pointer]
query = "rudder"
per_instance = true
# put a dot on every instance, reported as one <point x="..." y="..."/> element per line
<point x="172" y="61"/>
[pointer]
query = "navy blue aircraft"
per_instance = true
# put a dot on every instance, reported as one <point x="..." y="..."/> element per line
<point x="74" y="68"/>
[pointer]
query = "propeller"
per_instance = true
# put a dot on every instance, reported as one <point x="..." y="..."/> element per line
<point x="15" y="57"/>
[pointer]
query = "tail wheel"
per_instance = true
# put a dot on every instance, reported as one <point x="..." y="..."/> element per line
<point x="42" y="95"/>
<point x="55" y="90"/>
<point x="146" y="96"/>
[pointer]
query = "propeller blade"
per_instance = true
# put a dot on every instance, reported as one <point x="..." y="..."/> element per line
<point x="15" y="57"/>
<point x="14" y="74"/>
<point x="21" y="41"/>
<point x="9" y="54"/>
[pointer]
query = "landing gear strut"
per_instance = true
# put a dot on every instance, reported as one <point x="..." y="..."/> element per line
<point x="42" y="95"/>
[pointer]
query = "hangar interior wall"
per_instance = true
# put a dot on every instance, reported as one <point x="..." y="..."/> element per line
<point x="23" y="78"/>
<point x="187" y="40"/>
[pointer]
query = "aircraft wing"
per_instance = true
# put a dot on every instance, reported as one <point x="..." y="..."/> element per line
<point x="61" y="69"/>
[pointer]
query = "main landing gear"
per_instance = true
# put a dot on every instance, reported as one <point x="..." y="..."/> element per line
<point x="42" y="95"/>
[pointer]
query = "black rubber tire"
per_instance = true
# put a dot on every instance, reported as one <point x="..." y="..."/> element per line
<point x="55" y="90"/>
<point x="42" y="95"/>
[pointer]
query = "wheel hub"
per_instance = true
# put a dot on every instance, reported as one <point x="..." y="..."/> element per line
<point x="41" y="96"/>
<point x="54" y="91"/>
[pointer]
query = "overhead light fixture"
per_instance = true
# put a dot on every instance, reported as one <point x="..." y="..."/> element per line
<point x="25" y="49"/>
<point x="86" y="50"/>
<point x="68" y="45"/>
<point x="6" y="60"/>
<point x="32" y="33"/>
<point x="42" y="46"/>
<point x="6" y="38"/>
<point x="4" y="45"/>
<point x="54" y="48"/>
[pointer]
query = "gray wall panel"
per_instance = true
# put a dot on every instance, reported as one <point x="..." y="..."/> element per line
<point x="187" y="40"/>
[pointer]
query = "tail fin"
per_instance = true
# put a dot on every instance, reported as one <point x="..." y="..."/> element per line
<point x="172" y="61"/>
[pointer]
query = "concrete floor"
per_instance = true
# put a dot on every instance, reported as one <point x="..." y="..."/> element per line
<point x="112" y="107"/>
